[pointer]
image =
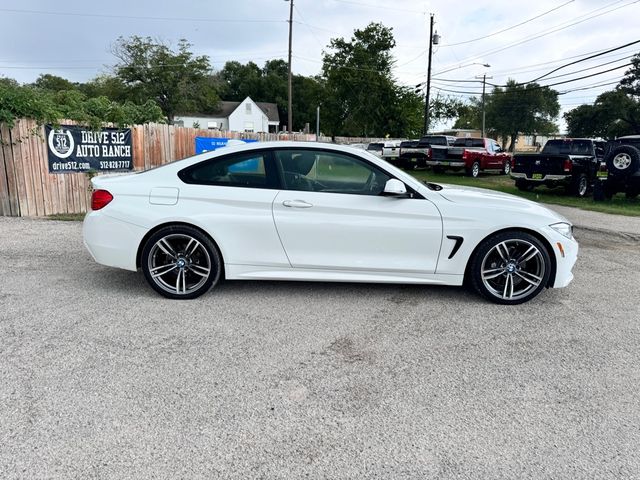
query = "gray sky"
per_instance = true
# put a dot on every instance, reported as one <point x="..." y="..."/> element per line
<point x="72" y="38"/>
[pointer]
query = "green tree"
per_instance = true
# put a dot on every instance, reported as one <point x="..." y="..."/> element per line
<point x="470" y="115"/>
<point x="630" y="83"/>
<point x="176" y="80"/>
<point x="54" y="83"/>
<point x="521" y="109"/>
<point x="48" y="106"/>
<point x="361" y="96"/>
<point x="613" y="114"/>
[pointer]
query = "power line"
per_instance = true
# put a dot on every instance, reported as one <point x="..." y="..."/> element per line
<point x="584" y="59"/>
<point x="553" y="30"/>
<point x="371" y="5"/>
<point x="508" y="28"/>
<point x="139" y="17"/>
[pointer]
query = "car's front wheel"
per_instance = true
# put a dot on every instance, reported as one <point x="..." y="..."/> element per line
<point x="474" y="171"/>
<point x="510" y="268"/>
<point x="180" y="262"/>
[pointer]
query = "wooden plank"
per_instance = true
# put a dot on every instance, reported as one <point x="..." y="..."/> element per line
<point x="39" y="147"/>
<point x="28" y="131"/>
<point x="27" y="165"/>
<point x="16" y="148"/>
<point x="14" y="200"/>
<point x="5" y="202"/>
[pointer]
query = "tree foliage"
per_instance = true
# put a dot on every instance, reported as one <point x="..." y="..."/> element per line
<point x="176" y="80"/>
<point x="51" y="106"/>
<point x="361" y="97"/>
<point x="521" y="109"/>
<point x="614" y="113"/>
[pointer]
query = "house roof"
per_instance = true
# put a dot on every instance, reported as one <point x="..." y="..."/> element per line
<point x="226" y="108"/>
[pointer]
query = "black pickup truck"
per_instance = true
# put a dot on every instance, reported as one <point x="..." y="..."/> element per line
<point x="569" y="162"/>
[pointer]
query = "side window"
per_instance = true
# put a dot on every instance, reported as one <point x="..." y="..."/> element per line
<point x="250" y="169"/>
<point x="331" y="172"/>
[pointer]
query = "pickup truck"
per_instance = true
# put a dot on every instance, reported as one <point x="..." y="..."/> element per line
<point x="471" y="154"/>
<point x="391" y="151"/>
<point x="421" y="149"/>
<point x="570" y="162"/>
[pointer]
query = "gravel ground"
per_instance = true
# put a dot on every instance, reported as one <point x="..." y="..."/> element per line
<point x="102" y="378"/>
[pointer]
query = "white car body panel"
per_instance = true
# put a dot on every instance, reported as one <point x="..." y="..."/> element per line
<point x="401" y="240"/>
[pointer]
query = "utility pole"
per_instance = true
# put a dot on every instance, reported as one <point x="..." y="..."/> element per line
<point x="425" y="130"/>
<point x="484" y="85"/>
<point x="289" y="108"/>
<point x="318" y="124"/>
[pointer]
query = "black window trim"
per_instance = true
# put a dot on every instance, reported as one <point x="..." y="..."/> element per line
<point x="414" y="193"/>
<point x="271" y="170"/>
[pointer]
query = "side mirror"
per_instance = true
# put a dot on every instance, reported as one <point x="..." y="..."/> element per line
<point x="394" y="188"/>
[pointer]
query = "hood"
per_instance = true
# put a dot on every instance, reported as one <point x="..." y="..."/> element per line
<point x="481" y="197"/>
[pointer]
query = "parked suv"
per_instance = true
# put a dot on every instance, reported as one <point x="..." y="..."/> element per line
<point x="622" y="159"/>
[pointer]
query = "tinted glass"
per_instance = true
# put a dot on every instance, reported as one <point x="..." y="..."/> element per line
<point x="324" y="171"/>
<point x="469" y="142"/>
<point x="568" y="147"/>
<point x="241" y="170"/>
<point x="433" y="140"/>
<point x="375" y="146"/>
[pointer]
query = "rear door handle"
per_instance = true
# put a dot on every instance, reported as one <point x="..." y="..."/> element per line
<point x="296" y="204"/>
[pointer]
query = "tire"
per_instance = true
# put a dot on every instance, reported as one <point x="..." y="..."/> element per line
<point x="474" y="171"/>
<point x="437" y="169"/>
<point x="623" y="160"/>
<point x="510" y="268"/>
<point x="506" y="170"/>
<point x="579" y="185"/>
<point x="180" y="262"/>
<point x="524" y="186"/>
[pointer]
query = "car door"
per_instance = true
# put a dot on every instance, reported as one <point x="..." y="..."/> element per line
<point x="331" y="215"/>
<point x="231" y="197"/>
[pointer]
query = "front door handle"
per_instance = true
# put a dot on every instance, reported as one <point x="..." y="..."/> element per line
<point x="296" y="204"/>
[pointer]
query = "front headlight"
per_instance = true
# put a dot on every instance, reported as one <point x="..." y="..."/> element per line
<point x="564" y="229"/>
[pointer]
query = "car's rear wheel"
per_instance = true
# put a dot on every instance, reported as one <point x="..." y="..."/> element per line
<point x="474" y="171"/>
<point x="579" y="185"/>
<point x="506" y="170"/>
<point x="510" y="268"/>
<point x="180" y="262"/>
<point x="524" y="186"/>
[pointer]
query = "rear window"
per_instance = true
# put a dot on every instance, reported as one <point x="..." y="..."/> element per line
<point x="375" y="146"/>
<point x="568" y="147"/>
<point x="469" y="142"/>
<point x="433" y="140"/>
<point x="409" y="144"/>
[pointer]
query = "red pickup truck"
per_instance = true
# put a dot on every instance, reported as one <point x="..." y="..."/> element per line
<point x="471" y="154"/>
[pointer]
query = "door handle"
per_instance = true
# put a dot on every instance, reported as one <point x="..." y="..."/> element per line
<point x="296" y="204"/>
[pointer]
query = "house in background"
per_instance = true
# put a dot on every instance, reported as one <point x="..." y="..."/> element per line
<point x="245" y="116"/>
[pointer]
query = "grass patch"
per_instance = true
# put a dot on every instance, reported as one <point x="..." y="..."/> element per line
<point x="619" y="204"/>
<point x="67" y="217"/>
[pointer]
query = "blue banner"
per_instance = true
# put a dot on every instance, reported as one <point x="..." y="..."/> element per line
<point x="208" y="144"/>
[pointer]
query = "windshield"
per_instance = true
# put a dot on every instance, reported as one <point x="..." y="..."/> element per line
<point x="568" y="147"/>
<point x="469" y="142"/>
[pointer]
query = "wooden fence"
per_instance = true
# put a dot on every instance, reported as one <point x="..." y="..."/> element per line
<point x="27" y="188"/>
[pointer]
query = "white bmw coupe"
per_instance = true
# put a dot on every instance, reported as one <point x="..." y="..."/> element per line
<point x="321" y="212"/>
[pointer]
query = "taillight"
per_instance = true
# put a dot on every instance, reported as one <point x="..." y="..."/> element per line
<point x="430" y="152"/>
<point x="100" y="199"/>
<point x="464" y="155"/>
<point x="568" y="165"/>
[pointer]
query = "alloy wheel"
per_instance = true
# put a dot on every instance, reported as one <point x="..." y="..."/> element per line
<point x="179" y="264"/>
<point x="622" y="161"/>
<point x="512" y="269"/>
